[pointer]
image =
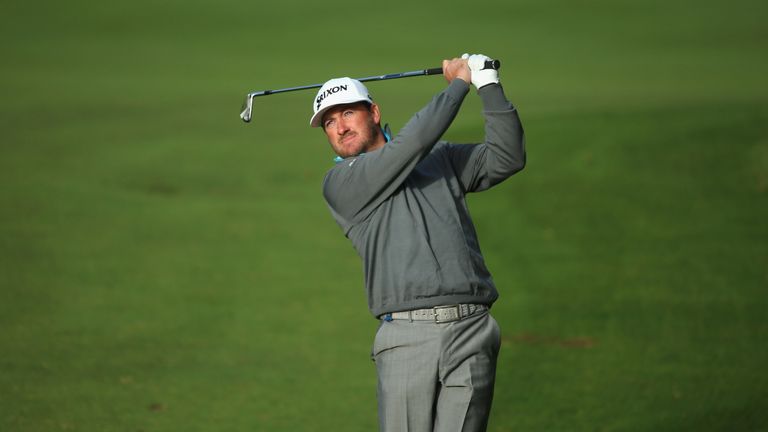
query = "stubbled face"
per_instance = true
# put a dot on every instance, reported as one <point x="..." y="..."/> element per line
<point x="353" y="129"/>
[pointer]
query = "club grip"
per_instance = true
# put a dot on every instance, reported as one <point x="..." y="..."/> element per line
<point x="492" y="64"/>
<point x="489" y="64"/>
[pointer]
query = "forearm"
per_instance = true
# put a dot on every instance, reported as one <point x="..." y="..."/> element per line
<point x="502" y="152"/>
<point x="504" y="137"/>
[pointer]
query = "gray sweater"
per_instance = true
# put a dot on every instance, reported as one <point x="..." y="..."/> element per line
<point x="403" y="205"/>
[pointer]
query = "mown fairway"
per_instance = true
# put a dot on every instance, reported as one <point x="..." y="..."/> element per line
<point x="165" y="267"/>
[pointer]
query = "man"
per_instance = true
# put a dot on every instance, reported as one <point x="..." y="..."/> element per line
<point x="401" y="201"/>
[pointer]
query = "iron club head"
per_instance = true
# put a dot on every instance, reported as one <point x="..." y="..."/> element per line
<point x="247" y="109"/>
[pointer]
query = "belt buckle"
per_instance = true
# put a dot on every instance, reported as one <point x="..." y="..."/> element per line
<point x="454" y="313"/>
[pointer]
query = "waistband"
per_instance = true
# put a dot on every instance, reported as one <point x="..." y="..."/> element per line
<point x="438" y="314"/>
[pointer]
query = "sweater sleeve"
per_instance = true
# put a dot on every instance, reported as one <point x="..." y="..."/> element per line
<point x="357" y="185"/>
<point x="501" y="155"/>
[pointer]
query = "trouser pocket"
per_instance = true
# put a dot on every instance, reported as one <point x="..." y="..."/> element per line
<point x="376" y="340"/>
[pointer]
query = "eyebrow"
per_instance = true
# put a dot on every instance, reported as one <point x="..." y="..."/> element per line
<point x="336" y="109"/>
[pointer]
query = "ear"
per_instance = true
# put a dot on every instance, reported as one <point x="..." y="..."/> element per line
<point x="376" y="114"/>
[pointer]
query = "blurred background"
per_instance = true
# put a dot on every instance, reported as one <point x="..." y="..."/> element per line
<point x="164" y="266"/>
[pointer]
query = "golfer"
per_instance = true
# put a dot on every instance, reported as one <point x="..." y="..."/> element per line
<point x="401" y="202"/>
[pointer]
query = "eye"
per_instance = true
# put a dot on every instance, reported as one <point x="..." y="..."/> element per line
<point x="328" y="123"/>
<point x="348" y="113"/>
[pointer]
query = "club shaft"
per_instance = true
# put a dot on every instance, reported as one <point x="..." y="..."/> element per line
<point x="247" y="107"/>
<point x="433" y="71"/>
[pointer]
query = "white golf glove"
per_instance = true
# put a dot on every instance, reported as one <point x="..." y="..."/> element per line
<point x="480" y="77"/>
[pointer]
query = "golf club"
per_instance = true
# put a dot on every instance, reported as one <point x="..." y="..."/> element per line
<point x="247" y="109"/>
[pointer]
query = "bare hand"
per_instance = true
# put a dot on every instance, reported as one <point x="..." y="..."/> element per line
<point x="456" y="68"/>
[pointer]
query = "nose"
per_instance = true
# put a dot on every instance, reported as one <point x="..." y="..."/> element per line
<point x="341" y="126"/>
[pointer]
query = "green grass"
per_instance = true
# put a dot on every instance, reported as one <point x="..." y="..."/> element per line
<point x="165" y="267"/>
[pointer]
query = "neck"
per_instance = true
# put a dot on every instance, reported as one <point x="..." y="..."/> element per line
<point x="379" y="141"/>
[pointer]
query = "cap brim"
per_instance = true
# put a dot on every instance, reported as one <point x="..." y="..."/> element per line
<point x="318" y="117"/>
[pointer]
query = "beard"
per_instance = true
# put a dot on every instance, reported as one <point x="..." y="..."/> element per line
<point x="366" y="139"/>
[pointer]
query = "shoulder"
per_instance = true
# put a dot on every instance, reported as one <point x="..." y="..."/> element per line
<point x="343" y="171"/>
<point x="342" y="166"/>
<point x="445" y="149"/>
<point x="439" y="155"/>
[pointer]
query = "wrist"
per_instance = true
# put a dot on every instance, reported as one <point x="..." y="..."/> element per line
<point x="467" y="79"/>
<point x="458" y="89"/>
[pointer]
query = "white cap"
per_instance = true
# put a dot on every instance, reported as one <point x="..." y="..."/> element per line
<point x="337" y="91"/>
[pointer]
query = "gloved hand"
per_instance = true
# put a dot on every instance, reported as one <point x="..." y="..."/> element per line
<point x="480" y="77"/>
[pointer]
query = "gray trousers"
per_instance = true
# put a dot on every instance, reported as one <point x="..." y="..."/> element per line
<point x="436" y="377"/>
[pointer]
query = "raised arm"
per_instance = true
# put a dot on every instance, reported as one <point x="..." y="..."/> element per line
<point x="502" y="154"/>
